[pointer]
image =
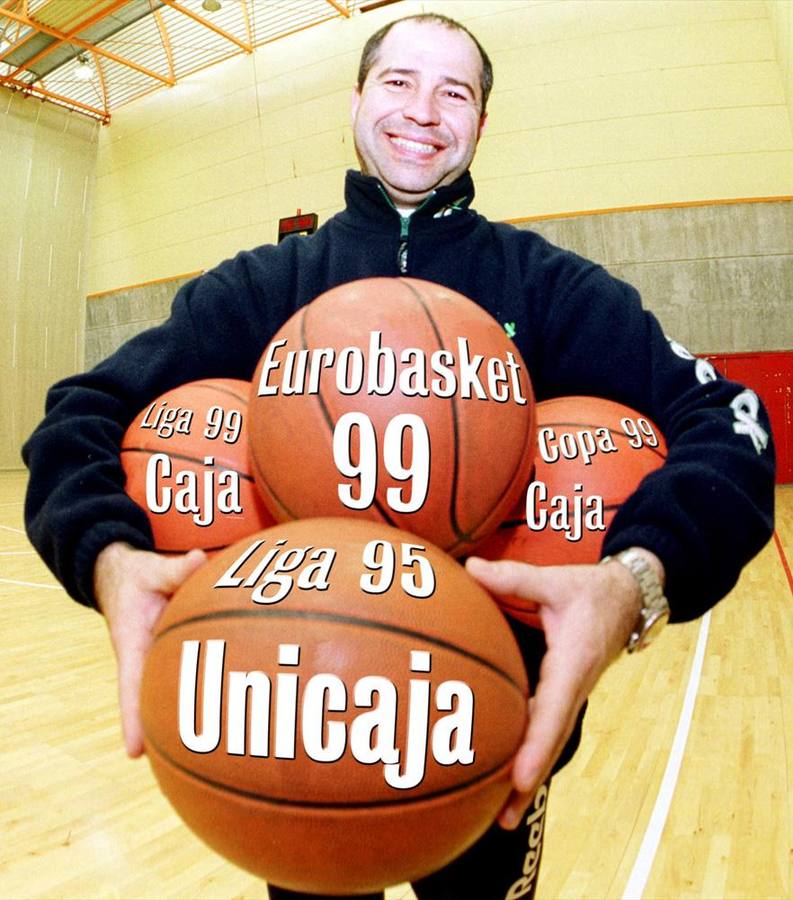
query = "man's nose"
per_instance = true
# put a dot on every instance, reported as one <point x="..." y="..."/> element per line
<point x="422" y="108"/>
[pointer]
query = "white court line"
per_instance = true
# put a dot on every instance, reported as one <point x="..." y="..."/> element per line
<point x="9" y="528"/>
<point x="17" y="552"/>
<point x="637" y="881"/>
<point x="49" y="587"/>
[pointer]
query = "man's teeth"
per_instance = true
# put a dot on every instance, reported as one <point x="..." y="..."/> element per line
<point x="415" y="146"/>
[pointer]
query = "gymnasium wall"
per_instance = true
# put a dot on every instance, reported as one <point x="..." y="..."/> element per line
<point x="47" y="160"/>
<point x="780" y="13"/>
<point x="597" y="104"/>
<point x="717" y="276"/>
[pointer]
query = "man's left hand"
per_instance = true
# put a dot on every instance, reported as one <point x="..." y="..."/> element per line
<point x="587" y="612"/>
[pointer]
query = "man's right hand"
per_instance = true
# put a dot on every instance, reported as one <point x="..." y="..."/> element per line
<point x="131" y="588"/>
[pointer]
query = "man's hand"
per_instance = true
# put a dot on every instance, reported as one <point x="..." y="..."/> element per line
<point x="132" y="587"/>
<point x="588" y="613"/>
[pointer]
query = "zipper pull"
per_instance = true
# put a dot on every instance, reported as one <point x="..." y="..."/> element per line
<point x="402" y="257"/>
<point x="402" y="252"/>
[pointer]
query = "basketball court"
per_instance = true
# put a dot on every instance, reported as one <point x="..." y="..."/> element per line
<point x="680" y="789"/>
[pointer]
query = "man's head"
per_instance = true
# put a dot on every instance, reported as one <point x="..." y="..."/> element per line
<point x="371" y="47"/>
<point x="418" y="108"/>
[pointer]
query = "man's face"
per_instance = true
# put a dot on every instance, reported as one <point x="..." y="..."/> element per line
<point x="417" y="120"/>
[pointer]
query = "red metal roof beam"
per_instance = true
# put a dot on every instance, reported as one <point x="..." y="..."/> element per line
<point x="342" y="10"/>
<point x="86" y="46"/>
<point x="248" y="48"/>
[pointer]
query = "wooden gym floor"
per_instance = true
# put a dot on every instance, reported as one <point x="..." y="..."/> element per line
<point x="648" y="808"/>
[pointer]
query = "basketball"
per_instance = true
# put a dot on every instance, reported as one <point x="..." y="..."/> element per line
<point x="410" y="406"/>
<point x="334" y="706"/>
<point x="187" y="464"/>
<point x="591" y="456"/>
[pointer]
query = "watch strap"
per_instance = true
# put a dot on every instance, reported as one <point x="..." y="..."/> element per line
<point x="654" y="610"/>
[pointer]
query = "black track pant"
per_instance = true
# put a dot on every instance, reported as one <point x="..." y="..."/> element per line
<point x="501" y="865"/>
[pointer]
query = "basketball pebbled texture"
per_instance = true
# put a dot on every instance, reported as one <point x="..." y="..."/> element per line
<point x="592" y="454"/>
<point x="339" y="826"/>
<point x="480" y="447"/>
<point x="190" y="423"/>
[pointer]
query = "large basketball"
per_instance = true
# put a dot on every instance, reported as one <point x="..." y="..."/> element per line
<point x="592" y="454"/>
<point x="396" y="400"/>
<point x="334" y="705"/>
<point x="187" y="463"/>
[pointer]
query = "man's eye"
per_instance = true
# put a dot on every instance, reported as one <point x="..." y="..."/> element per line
<point x="396" y="82"/>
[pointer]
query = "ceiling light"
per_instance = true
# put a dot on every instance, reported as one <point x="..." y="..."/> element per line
<point x="211" y="5"/>
<point x="84" y="70"/>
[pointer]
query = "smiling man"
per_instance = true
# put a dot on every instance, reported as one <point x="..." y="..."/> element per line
<point x="418" y="114"/>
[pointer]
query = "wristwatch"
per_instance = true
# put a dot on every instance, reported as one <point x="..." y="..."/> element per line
<point x="654" y="612"/>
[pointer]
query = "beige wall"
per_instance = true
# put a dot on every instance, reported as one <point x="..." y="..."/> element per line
<point x="597" y="104"/>
<point x="780" y="13"/>
<point x="47" y="159"/>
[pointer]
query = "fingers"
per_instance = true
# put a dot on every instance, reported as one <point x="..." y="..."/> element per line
<point x="552" y="716"/>
<point x="140" y="591"/>
<point x="553" y="713"/>
<point x="172" y="571"/>
<point x="586" y="612"/>
<point x="508" y="577"/>
<point x="131" y="655"/>
<point x="512" y="811"/>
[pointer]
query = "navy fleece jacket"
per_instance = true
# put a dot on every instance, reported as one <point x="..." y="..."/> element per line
<point x="705" y="513"/>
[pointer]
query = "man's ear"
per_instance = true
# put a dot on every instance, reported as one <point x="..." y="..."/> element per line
<point x="355" y="102"/>
<point x="482" y="126"/>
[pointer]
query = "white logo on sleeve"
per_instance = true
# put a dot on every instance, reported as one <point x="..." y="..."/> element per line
<point x="745" y="407"/>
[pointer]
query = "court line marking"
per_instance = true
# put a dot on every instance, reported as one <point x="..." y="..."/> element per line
<point x="17" y="552"/>
<point x="35" y="584"/>
<point x="783" y="558"/>
<point x="637" y="881"/>
<point x="9" y="528"/>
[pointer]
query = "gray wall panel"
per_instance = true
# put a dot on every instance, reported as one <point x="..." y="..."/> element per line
<point x="719" y="278"/>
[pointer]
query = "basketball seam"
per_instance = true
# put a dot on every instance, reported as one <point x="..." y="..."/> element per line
<point x="339" y="618"/>
<point x="260" y="479"/>
<point x="181" y="552"/>
<point x="260" y="476"/>
<point x="461" y="536"/>
<point x="332" y="425"/>
<point x="210" y="384"/>
<point x="186" y="458"/>
<point x="514" y="523"/>
<point x="337" y="804"/>
<point x="465" y="537"/>
<point x="527" y="439"/>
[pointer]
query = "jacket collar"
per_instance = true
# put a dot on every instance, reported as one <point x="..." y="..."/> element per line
<point x="366" y="196"/>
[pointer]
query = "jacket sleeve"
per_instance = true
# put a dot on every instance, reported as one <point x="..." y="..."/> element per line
<point x="709" y="509"/>
<point x="75" y="503"/>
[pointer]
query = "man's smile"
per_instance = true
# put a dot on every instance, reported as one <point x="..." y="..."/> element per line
<point x="414" y="146"/>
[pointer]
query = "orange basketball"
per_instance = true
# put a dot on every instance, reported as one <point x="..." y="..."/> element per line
<point x="187" y="462"/>
<point x="409" y="405"/>
<point x="591" y="456"/>
<point x="334" y="706"/>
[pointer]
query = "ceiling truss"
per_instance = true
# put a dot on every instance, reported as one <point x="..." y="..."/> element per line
<point x="94" y="56"/>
